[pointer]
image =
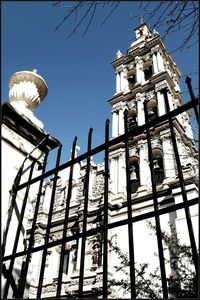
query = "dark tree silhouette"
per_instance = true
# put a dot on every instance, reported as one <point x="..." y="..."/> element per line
<point x="181" y="17"/>
<point x="182" y="281"/>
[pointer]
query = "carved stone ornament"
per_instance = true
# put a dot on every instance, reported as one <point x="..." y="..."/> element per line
<point x="98" y="186"/>
<point x="27" y="90"/>
<point x="150" y="95"/>
<point x="161" y="85"/>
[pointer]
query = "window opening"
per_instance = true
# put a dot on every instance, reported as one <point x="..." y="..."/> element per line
<point x="134" y="176"/>
<point x="66" y="262"/>
<point x="148" y="72"/>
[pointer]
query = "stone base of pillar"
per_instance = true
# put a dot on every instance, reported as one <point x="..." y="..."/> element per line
<point x="142" y="190"/>
<point x="168" y="180"/>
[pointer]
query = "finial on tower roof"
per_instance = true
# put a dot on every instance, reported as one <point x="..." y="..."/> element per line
<point x="34" y="71"/>
<point x="118" y="54"/>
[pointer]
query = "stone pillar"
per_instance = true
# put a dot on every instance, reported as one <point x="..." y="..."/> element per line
<point x="121" y="81"/>
<point x="114" y="174"/>
<point x="121" y="121"/>
<point x="125" y="86"/>
<point x="155" y="64"/>
<point x="115" y="121"/>
<point x="161" y="103"/>
<point x="117" y="82"/>
<point x="140" y="109"/>
<point x="168" y="156"/>
<point x="139" y="71"/>
<point x="47" y="197"/>
<point x="145" y="175"/>
<point x="160" y="62"/>
<point x="121" y="174"/>
<point x="171" y="105"/>
<point x="36" y="258"/>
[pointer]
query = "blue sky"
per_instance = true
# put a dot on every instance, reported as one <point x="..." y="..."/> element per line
<point x="77" y="70"/>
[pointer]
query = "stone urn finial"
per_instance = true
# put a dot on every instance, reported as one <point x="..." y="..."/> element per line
<point x="119" y="54"/>
<point x="26" y="90"/>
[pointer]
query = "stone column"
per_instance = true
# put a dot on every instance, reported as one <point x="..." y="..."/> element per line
<point x="47" y="196"/>
<point x="36" y="258"/>
<point x="121" y="80"/>
<point x="171" y="105"/>
<point x="121" y="121"/>
<point x="140" y="109"/>
<point x="121" y="173"/>
<point x="161" y="103"/>
<point x="114" y="174"/>
<point x="125" y="85"/>
<point x="139" y="71"/>
<point x="145" y="175"/>
<point x="117" y="82"/>
<point x="168" y="156"/>
<point x="155" y="64"/>
<point x="160" y="62"/>
<point x="115" y="124"/>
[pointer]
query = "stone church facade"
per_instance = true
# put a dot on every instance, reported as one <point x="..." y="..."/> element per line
<point x="145" y="77"/>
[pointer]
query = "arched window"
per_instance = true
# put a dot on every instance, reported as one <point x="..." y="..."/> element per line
<point x="66" y="262"/>
<point x="152" y="110"/>
<point x="131" y="77"/>
<point x="134" y="173"/>
<point x="148" y="69"/>
<point x="132" y="118"/>
<point x="158" y="165"/>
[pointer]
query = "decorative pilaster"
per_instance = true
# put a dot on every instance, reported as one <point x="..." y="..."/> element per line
<point x="121" y="121"/>
<point x="145" y="175"/>
<point x="114" y="174"/>
<point x="121" y="173"/>
<point x="117" y="82"/>
<point x="155" y="63"/>
<point x="140" y="109"/>
<point x="161" y="103"/>
<point x="171" y="105"/>
<point x="139" y="70"/>
<point x="115" y="120"/>
<point x="125" y="84"/>
<point x="161" y="66"/>
<point x="168" y="155"/>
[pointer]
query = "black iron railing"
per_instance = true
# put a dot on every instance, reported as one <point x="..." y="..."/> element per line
<point x="18" y="288"/>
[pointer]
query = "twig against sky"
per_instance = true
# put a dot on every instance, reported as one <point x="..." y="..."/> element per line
<point x="171" y="16"/>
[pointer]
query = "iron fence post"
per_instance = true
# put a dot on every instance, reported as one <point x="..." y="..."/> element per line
<point x="64" y="234"/>
<point x="129" y="206"/>
<point x="105" y="245"/>
<point x="86" y="193"/>
<point x="155" y="203"/>
<point x="182" y="185"/>
<point x="16" y="240"/>
<point x="42" y="269"/>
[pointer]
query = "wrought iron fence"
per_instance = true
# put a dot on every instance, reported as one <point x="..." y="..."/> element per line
<point x="104" y="225"/>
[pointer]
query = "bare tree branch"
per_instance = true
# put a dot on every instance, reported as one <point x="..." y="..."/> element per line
<point x="84" y="16"/>
<point x="90" y="19"/>
<point x="66" y="17"/>
<point x="110" y="13"/>
<point x="172" y="16"/>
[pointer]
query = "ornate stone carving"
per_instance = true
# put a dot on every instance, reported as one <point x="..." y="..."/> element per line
<point x="98" y="186"/>
<point x="150" y="95"/>
<point x="161" y="85"/>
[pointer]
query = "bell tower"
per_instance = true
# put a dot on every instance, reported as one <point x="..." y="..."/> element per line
<point x="146" y="75"/>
